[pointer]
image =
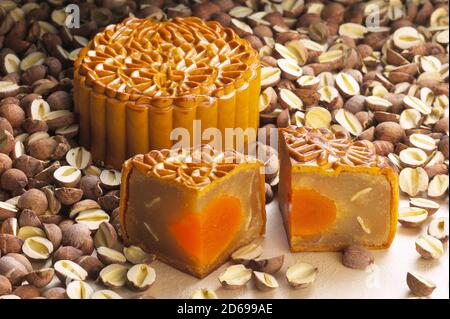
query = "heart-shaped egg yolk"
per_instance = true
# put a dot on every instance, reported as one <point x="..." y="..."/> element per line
<point x="206" y="235"/>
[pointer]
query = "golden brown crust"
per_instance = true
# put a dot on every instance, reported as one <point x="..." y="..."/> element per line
<point x="323" y="148"/>
<point x="194" y="168"/>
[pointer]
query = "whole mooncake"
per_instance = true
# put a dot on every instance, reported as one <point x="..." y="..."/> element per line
<point x="138" y="80"/>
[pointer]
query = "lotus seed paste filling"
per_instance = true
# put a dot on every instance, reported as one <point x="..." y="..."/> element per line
<point x="138" y="80"/>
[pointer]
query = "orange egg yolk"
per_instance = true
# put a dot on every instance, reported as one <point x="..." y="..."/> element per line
<point x="204" y="236"/>
<point x="311" y="212"/>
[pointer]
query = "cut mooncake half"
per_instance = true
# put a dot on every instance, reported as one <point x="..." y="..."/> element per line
<point x="335" y="192"/>
<point x="192" y="208"/>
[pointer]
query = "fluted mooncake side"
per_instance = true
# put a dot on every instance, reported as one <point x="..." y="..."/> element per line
<point x="138" y="80"/>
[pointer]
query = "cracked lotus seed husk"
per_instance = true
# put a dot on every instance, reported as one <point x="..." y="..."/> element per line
<point x="105" y="294"/>
<point x="439" y="229"/>
<point x="406" y="37"/>
<point x="331" y="56"/>
<point x="438" y="186"/>
<point x="290" y="69"/>
<point x="376" y="103"/>
<point x="246" y="253"/>
<point x="10" y="297"/>
<point x="318" y="117"/>
<point x="427" y="95"/>
<point x="308" y="82"/>
<point x="430" y="206"/>
<point x="114" y="275"/>
<point x="106" y="236"/>
<point x="235" y="276"/>
<point x="8" y="88"/>
<point x="204" y="293"/>
<point x="270" y="76"/>
<point x="240" y="12"/>
<point x="83" y="205"/>
<point x="58" y="118"/>
<point x="380" y="91"/>
<point x="423" y="142"/>
<point x="35" y="58"/>
<point x="299" y="49"/>
<point x="136" y="255"/>
<point x="412" y="216"/>
<point x="285" y="53"/>
<point x="265" y="281"/>
<point x="267" y="265"/>
<point x="328" y="94"/>
<point x="79" y="157"/>
<point x="413" y="157"/>
<point x="412" y="102"/>
<point x="30" y="231"/>
<point x="141" y="277"/>
<point x="10" y="226"/>
<point x="326" y="79"/>
<point x="110" y="256"/>
<point x="38" y="109"/>
<point x="288" y="100"/>
<point x="349" y="122"/>
<point x="67" y="176"/>
<point x="430" y="64"/>
<point x="394" y="159"/>
<point x="301" y="275"/>
<point x="268" y="100"/>
<point x="79" y="290"/>
<point x="11" y="63"/>
<point x="299" y="118"/>
<point x="419" y="285"/>
<point x="37" y="248"/>
<point x="241" y="27"/>
<point x="347" y="84"/>
<point x="435" y="158"/>
<point x="110" y="178"/>
<point x="68" y="270"/>
<point x="429" y="247"/>
<point x="92" y="218"/>
<point x="412" y="181"/>
<point x="352" y="30"/>
<point x="9" y="209"/>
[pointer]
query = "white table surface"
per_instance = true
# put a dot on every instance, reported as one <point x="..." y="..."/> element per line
<point x="386" y="278"/>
